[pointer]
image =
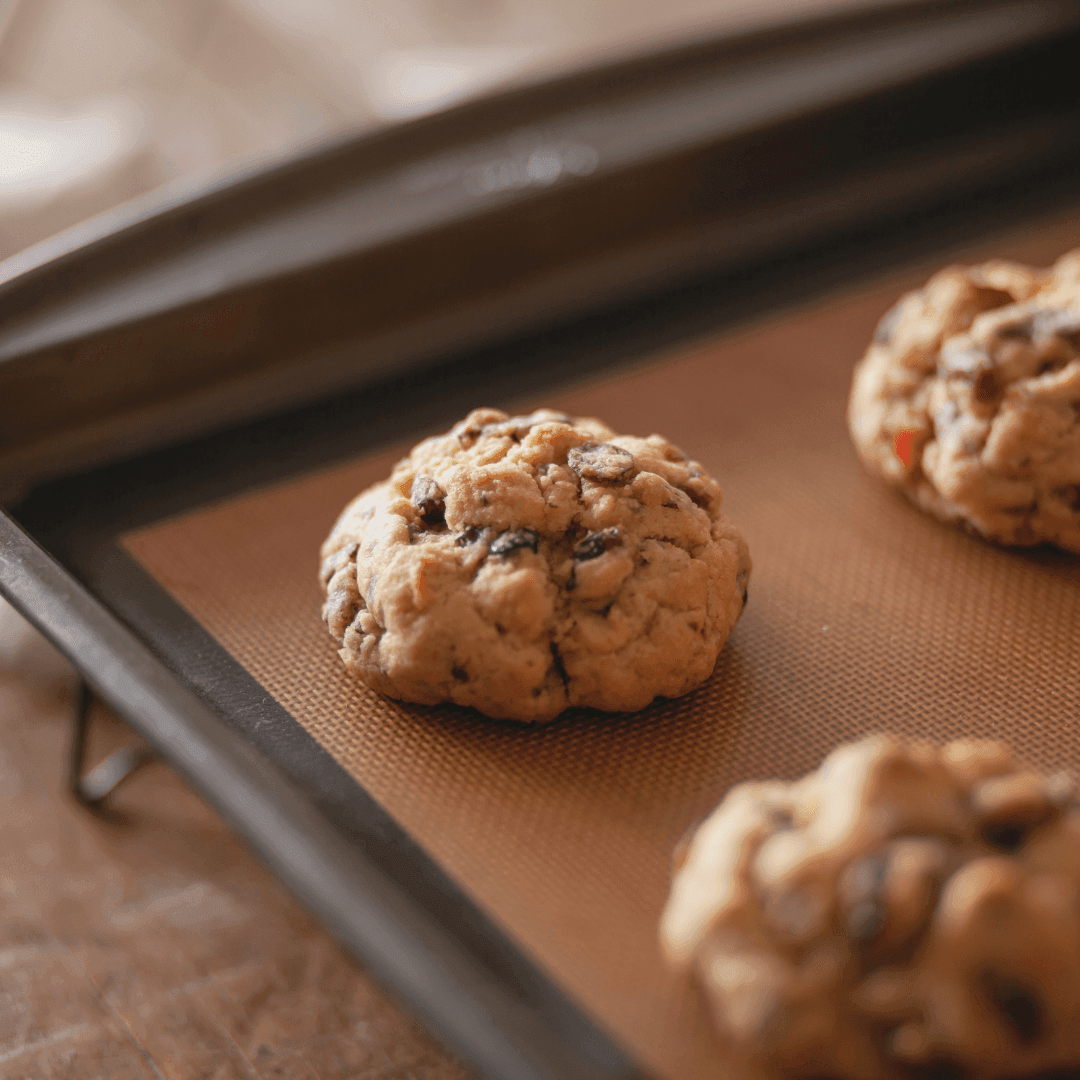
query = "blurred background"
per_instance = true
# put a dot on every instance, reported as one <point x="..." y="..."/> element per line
<point x="104" y="100"/>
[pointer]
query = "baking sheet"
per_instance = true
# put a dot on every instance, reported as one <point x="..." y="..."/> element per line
<point x="863" y="615"/>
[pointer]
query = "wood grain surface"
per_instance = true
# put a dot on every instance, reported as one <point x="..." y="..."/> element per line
<point x="153" y="945"/>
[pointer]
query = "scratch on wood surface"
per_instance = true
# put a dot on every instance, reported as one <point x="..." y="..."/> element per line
<point x="63" y="1035"/>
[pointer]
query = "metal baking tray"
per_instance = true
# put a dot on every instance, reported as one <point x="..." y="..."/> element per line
<point x="698" y="238"/>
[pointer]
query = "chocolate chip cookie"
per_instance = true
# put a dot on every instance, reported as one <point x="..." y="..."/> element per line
<point x="968" y="400"/>
<point x="524" y="564"/>
<point x="902" y="911"/>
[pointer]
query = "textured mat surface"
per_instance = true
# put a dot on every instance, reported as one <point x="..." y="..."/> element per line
<point x="863" y="615"/>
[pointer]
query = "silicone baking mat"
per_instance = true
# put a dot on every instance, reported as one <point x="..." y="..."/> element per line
<point x="863" y="615"/>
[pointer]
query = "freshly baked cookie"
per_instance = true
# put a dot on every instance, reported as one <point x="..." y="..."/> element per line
<point x="523" y="564"/>
<point x="969" y="400"/>
<point x="902" y="911"/>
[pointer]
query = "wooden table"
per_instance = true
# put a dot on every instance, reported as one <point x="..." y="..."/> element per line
<point x="153" y="945"/>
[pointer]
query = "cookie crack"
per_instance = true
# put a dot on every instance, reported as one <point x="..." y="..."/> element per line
<point x="558" y="665"/>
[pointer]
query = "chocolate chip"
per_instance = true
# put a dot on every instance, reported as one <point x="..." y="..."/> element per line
<point x="1069" y="494"/>
<point x="942" y="1069"/>
<point x="468" y="434"/>
<point x="469" y="536"/>
<point x="517" y="427"/>
<point x="1018" y="1004"/>
<point x="865" y="921"/>
<point x="513" y="539"/>
<point x="520" y="426"/>
<point x="1008" y="836"/>
<point x="696" y="497"/>
<point x="429" y="499"/>
<point x="883" y="335"/>
<point x="596" y="543"/>
<point x="987" y="386"/>
<point x="1023" y="330"/>
<point x="860" y="892"/>
<point x="601" y="461"/>
<point x="333" y="563"/>
<point x="460" y="674"/>
<point x="988" y="298"/>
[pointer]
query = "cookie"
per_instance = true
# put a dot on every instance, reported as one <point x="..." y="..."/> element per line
<point x="524" y="564"/>
<point x="902" y="911"/>
<point x="968" y="400"/>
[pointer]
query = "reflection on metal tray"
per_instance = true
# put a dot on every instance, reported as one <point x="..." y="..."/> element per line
<point x="507" y="882"/>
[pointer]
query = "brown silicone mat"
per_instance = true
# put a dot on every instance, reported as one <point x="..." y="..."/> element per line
<point x="863" y="615"/>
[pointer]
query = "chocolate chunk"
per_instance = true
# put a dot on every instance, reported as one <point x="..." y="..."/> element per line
<point x="860" y="890"/>
<point x="333" y="563"/>
<point x="987" y="386"/>
<point x="1022" y="330"/>
<point x="429" y="500"/>
<point x="865" y="921"/>
<point x="698" y="498"/>
<point x="1050" y="367"/>
<point x="1019" y="1005"/>
<point x="459" y="673"/>
<point x="596" y="543"/>
<point x="520" y="426"/>
<point x="941" y="1069"/>
<point x="513" y="539"/>
<point x="1069" y="494"/>
<point x="469" y="536"/>
<point x="1007" y="835"/>
<point x="517" y="427"/>
<point x="741" y="579"/>
<point x="467" y="435"/>
<point x="601" y="461"/>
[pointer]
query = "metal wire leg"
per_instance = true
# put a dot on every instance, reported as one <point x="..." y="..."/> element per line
<point x="94" y="788"/>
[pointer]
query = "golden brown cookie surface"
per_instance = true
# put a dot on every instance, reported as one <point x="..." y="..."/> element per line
<point x="524" y="564"/>
<point x="901" y="911"/>
<point x="969" y="400"/>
